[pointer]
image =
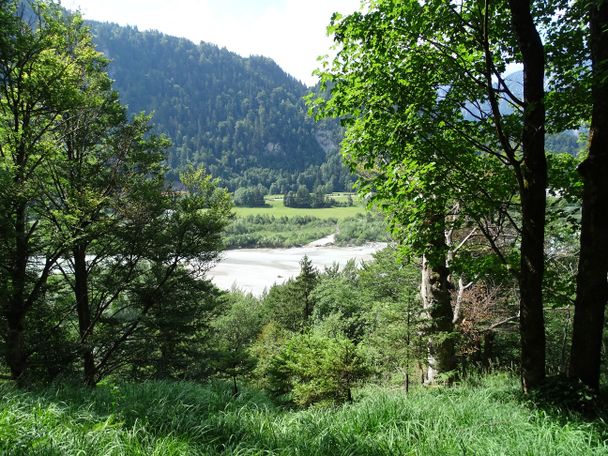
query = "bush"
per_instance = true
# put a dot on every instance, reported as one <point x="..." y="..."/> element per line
<point x="249" y="197"/>
<point x="362" y="229"/>
<point x="314" y="368"/>
<point x="270" y="231"/>
<point x="563" y="393"/>
<point x="303" y="198"/>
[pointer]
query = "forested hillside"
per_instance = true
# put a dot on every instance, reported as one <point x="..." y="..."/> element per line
<point x="243" y="118"/>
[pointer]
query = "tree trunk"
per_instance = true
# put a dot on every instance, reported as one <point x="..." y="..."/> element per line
<point x="436" y="301"/>
<point x="533" y="185"/>
<point x="235" y="388"/>
<point x="24" y="292"/>
<point x="488" y="350"/>
<point x="17" y="307"/>
<point x="81" y="291"/>
<point x="564" y="360"/>
<point x="591" y="284"/>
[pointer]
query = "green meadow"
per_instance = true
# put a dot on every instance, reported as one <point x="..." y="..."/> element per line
<point x="277" y="208"/>
<point x="277" y="226"/>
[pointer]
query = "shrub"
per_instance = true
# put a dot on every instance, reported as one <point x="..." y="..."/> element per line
<point x="249" y="197"/>
<point x="314" y="368"/>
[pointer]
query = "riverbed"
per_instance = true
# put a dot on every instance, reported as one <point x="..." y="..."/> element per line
<point x="256" y="270"/>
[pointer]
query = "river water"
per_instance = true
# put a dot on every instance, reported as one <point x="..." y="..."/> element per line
<point x="254" y="270"/>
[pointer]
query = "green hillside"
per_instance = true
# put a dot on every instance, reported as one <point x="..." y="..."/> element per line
<point x="243" y="118"/>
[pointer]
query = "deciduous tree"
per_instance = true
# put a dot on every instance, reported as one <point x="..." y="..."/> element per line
<point x="422" y="90"/>
<point x="39" y="76"/>
<point x="592" y="285"/>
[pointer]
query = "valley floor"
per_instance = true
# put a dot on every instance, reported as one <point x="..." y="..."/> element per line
<point x="180" y="418"/>
<point x="256" y="270"/>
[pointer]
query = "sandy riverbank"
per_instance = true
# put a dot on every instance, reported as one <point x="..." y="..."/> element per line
<point x="253" y="270"/>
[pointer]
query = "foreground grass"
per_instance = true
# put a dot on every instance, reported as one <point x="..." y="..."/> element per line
<point x="163" y="418"/>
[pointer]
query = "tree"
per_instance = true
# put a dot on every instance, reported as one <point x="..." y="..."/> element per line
<point x="339" y="303"/>
<point x="39" y="76"/>
<point x="86" y="196"/>
<point x="422" y="90"/>
<point x="281" y="307"/>
<point x="174" y="338"/>
<point x="103" y="165"/>
<point x="235" y="330"/>
<point x="173" y="249"/>
<point x="435" y="290"/>
<point x="249" y="197"/>
<point x="301" y="198"/>
<point x="313" y="368"/>
<point x="532" y="182"/>
<point x="395" y="324"/>
<point x="291" y="304"/>
<point x="576" y="44"/>
<point x="268" y="344"/>
<point x="304" y="285"/>
<point x="592" y="286"/>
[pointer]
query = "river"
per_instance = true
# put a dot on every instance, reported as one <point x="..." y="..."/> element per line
<point x="254" y="270"/>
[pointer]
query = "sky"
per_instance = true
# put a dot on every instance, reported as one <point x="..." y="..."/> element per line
<point x="291" y="32"/>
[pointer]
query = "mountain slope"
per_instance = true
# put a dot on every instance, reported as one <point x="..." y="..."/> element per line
<point x="243" y="118"/>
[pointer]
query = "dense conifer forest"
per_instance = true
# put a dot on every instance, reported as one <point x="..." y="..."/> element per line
<point x="243" y="118"/>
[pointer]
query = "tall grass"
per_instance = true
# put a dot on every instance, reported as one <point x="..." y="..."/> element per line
<point x="164" y="418"/>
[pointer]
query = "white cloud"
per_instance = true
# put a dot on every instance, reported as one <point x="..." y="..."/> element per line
<point x="292" y="32"/>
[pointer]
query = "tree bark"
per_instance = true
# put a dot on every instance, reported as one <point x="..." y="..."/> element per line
<point x="17" y="309"/>
<point x="533" y="185"/>
<point x="592" y="286"/>
<point x="436" y="301"/>
<point x="24" y="291"/>
<point x="81" y="293"/>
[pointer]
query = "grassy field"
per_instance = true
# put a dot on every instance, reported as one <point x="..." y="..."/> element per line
<point x="277" y="226"/>
<point x="163" y="418"/>
<point x="276" y="208"/>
